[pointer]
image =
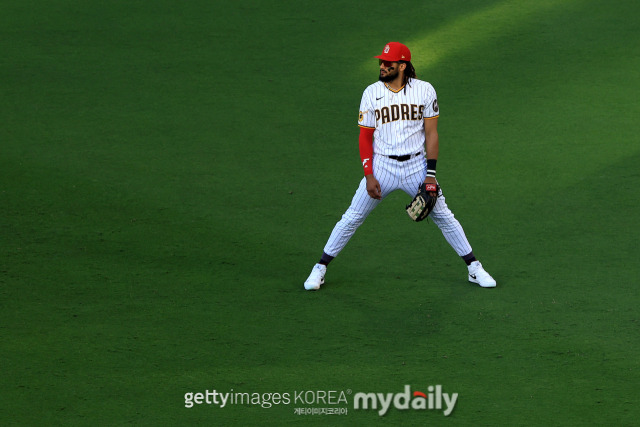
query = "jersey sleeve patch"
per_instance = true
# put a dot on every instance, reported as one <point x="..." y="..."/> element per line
<point x="366" y="114"/>
<point x="431" y="108"/>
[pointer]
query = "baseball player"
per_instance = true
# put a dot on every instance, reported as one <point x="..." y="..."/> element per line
<point x="398" y="120"/>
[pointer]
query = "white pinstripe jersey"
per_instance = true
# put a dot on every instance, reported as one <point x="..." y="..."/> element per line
<point x="398" y="118"/>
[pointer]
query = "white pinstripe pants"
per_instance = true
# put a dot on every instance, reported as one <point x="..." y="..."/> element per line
<point x="394" y="175"/>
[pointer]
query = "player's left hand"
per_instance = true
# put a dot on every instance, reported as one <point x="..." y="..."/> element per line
<point x="424" y="202"/>
<point x="430" y="180"/>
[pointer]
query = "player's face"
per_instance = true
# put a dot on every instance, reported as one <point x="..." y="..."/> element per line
<point x="388" y="70"/>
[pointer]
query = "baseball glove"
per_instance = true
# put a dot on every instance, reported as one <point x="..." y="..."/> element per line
<point x="424" y="202"/>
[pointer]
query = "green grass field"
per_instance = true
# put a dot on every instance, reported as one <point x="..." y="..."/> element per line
<point x="170" y="173"/>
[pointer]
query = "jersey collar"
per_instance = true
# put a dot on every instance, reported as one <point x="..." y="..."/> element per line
<point x="394" y="91"/>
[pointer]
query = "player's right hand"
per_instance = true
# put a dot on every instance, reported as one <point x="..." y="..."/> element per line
<point x="373" y="187"/>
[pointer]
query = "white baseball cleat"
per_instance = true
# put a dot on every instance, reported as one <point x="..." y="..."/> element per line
<point x="316" y="278"/>
<point x="478" y="275"/>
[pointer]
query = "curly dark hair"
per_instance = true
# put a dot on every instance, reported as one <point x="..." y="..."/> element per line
<point x="409" y="73"/>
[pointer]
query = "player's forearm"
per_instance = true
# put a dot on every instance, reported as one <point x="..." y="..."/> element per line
<point x="432" y="144"/>
<point x="366" y="149"/>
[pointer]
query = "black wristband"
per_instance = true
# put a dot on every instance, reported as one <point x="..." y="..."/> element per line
<point x="431" y="167"/>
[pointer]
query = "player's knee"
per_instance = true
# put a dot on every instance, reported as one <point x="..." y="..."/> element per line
<point x="353" y="219"/>
<point x="444" y="222"/>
